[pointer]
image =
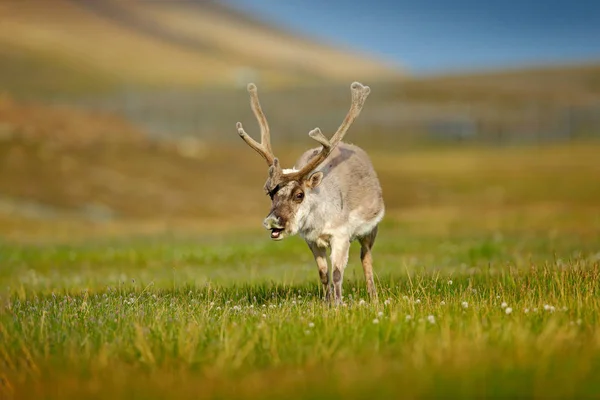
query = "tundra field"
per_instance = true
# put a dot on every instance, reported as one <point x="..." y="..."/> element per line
<point x="134" y="264"/>
<point x="487" y="266"/>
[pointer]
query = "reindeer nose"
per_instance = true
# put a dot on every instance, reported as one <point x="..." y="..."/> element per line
<point x="271" y="222"/>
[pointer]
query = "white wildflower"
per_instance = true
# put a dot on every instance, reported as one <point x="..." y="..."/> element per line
<point x="361" y="302"/>
<point x="418" y="301"/>
<point x="526" y="310"/>
<point x="443" y="303"/>
<point x="465" y="304"/>
<point x="380" y="314"/>
<point x="503" y="305"/>
<point x="387" y="302"/>
<point x="431" y="319"/>
<point x="311" y="324"/>
<point x="408" y="317"/>
<point x="450" y="282"/>
<point x="264" y="315"/>
<point x="508" y="310"/>
<point x="375" y="321"/>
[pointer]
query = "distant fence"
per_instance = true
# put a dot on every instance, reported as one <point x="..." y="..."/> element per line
<point x="211" y="115"/>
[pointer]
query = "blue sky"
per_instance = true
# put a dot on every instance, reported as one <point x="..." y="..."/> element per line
<point x="436" y="36"/>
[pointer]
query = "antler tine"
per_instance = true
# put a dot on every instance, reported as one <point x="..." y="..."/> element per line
<point x="359" y="95"/>
<point x="264" y="147"/>
<point x="265" y="133"/>
<point x="319" y="137"/>
<point x="258" y="147"/>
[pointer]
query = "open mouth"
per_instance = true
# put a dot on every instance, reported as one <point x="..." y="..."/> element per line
<point x="276" y="233"/>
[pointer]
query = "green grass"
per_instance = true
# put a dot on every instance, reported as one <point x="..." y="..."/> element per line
<point x="238" y="316"/>
<point x="162" y="303"/>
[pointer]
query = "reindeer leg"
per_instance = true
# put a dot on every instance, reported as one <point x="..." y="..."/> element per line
<point x="339" y="259"/>
<point x="366" y="245"/>
<point x="320" y="255"/>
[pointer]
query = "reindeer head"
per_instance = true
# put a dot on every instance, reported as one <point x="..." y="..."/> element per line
<point x="292" y="191"/>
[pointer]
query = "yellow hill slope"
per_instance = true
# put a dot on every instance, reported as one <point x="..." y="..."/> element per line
<point x="172" y="43"/>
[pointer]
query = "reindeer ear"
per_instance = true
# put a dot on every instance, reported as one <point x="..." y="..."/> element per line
<point x="314" y="180"/>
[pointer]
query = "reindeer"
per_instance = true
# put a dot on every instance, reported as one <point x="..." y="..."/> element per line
<point x="331" y="196"/>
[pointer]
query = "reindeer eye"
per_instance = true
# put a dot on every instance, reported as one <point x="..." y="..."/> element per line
<point x="299" y="196"/>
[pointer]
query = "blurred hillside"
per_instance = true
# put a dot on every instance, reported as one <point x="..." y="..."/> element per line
<point x="178" y="70"/>
<point x="523" y="106"/>
<point x="96" y="45"/>
<point x="59" y="165"/>
<point x="119" y="110"/>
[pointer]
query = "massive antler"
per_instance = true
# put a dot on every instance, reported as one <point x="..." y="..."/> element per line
<point x="276" y="175"/>
<point x="359" y="95"/>
<point x="264" y="147"/>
